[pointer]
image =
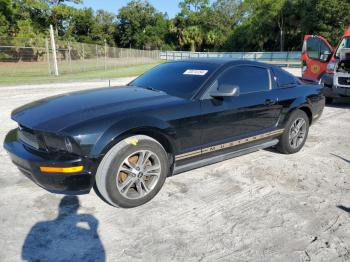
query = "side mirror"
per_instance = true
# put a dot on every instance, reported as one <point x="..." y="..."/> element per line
<point x="326" y="56"/>
<point x="225" y="90"/>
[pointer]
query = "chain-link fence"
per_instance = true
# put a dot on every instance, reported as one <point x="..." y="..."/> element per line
<point x="34" y="57"/>
<point x="73" y="57"/>
<point x="24" y="57"/>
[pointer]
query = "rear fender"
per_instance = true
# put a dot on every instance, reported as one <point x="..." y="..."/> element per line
<point x="301" y="103"/>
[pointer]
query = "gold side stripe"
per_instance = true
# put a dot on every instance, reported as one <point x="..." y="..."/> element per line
<point x="228" y="145"/>
<point x="190" y="154"/>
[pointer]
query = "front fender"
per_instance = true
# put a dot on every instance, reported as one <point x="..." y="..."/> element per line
<point x="130" y="126"/>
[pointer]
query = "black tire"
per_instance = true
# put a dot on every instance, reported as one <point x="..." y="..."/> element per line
<point x="329" y="100"/>
<point x="108" y="172"/>
<point x="284" y="146"/>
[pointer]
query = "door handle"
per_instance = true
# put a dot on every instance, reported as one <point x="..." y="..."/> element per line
<point x="269" y="102"/>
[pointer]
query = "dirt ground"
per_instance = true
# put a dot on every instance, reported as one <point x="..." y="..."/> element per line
<point x="263" y="206"/>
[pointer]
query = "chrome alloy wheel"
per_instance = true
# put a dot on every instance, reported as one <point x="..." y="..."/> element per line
<point x="138" y="174"/>
<point x="297" y="133"/>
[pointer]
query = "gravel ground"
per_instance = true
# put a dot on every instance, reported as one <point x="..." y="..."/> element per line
<point x="263" y="206"/>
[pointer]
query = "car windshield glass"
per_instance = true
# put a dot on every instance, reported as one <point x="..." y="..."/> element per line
<point x="181" y="79"/>
<point x="345" y="43"/>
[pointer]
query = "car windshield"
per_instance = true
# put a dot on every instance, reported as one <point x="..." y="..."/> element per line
<point x="345" y="43"/>
<point x="181" y="78"/>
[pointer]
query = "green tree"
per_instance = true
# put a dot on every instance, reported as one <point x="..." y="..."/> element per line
<point x="193" y="36"/>
<point x="137" y="21"/>
<point x="187" y="26"/>
<point x="105" y="27"/>
<point x="81" y="25"/>
<point x="201" y="26"/>
<point x="6" y="17"/>
<point x="215" y="39"/>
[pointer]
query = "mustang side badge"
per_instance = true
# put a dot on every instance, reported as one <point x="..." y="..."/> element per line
<point x="194" y="72"/>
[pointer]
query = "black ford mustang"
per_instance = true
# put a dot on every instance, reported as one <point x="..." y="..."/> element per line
<point x="124" y="141"/>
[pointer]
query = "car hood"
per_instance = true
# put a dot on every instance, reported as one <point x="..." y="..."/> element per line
<point x="54" y="114"/>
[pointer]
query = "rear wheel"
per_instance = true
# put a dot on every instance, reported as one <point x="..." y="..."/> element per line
<point x="132" y="172"/>
<point x="295" y="133"/>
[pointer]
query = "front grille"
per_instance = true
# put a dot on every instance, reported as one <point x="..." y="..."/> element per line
<point x="28" y="137"/>
<point x="345" y="81"/>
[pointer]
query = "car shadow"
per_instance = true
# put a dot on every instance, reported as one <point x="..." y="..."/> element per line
<point x="272" y="150"/>
<point x="69" y="237"/>
<point x="343" y="102"/>
<point x="346" y="209"/>
<point x="342" y="158"/>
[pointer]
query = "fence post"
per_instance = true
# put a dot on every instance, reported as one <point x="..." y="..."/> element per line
<point x="53" y="48"/>
<point x="96" y="57"/>
<point x="48" y="54"/>
<point x="115" y="57"/>
<point x="83" y="55"/>
<point x="69" y="57"/>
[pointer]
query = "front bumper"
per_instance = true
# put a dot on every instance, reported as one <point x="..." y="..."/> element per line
<point x="334" y="91"/>
<point x="29" y="162"/>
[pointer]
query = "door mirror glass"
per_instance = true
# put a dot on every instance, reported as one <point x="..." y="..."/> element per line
<point x="326" y="56"/>
<point x="224" y="90"/>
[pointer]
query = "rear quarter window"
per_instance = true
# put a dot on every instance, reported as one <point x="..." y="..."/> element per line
<point x="283" y="78"/>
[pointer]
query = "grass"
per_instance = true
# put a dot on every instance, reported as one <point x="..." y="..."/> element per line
<point x="14" y="76"/>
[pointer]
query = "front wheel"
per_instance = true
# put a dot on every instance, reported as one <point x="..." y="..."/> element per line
<point x="295" y="133"/>
<point x="132" y="172"/>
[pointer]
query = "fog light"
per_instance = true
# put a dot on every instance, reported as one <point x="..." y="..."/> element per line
<point x="73" y="169"/>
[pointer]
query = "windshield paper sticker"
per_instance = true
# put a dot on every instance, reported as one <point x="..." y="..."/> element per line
<point x="194" y="72"/>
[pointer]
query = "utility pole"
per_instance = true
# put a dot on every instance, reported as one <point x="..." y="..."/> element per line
<point x="105" y="54"/>
<point x="282" y="40"/>
<point x="53" y="48"/>
<point x="281" y="26"/>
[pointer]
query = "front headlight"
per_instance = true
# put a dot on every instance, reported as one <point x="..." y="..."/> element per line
<point x="60" y="143"/>
<point x="331" y="67"/>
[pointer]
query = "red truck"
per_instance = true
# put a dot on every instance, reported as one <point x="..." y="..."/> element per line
<point x="331" y="66"/>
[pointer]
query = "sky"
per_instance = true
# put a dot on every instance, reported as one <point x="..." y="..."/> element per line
<point x="171" y="7"/>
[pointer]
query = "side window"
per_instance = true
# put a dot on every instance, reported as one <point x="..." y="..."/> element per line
<point x="315" y="48"/>
<point x="324" y="48"/>
<point x="249" y="78"/>
<point x="345" y="43"/>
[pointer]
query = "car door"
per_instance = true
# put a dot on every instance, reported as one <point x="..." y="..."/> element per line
<point x="315" y="56"/>
<point x="254" y="111"/>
